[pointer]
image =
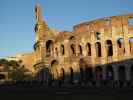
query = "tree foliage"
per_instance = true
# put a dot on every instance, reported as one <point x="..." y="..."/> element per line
<point x="15" y="69"/>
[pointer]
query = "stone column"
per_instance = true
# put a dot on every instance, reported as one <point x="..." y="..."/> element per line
<point x="127" y="69"/>
<point x="59" y="49"/>
<point x="126" y="41"/>
<point x="94" y="72"/>
<point x="66" y="48"/>
<point x="104" y="72"/>
<point x="76" y="73"/>
<point x="103" y="46"/>
<point x="77" y="48"/>
<point x="93" y="49"/>
<point x="115" y="70"/>
<point x="114" y="43"/>
<point x="83" y="49"/>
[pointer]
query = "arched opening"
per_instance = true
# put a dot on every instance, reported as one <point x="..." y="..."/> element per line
<point x="98" y="35"/>
<point x="109" y="48"/>
<point x="71" y="75"/>
<point x="72" y="38"/>
<point x="44" y="75"/>
<point x="49" y="47"/>
<point x="62" y="75"/>
<point x="88" y="46"/>
<point x="80" y="50"/>
<point x="109" y="72"/>
<point x="56" y="51"/>
<point x="98" y="49"/>
<point x="40" y="75"/>
<point x="82" y="69"/>
<point x="82" y="74"/>
<point x="2" y="76"/>
<point x="122" y="73"/>
<point x="131" y="45"/>
<point x="131" y="73"/>
<point x="54" y="69"/>
<point x="120" y="46"/>
<point x="73" y="52"/>
<point x="99" y="73"/>
<point x="89" y="73"/>
<point x="62" y="50"/>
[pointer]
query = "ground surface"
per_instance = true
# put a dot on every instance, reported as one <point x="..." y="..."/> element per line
<point x="80" y="93"/>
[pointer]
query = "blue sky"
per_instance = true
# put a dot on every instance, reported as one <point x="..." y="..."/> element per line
<point x="17" y="18"/>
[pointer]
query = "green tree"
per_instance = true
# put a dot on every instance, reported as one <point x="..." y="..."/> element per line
<point x="17" y="75"/>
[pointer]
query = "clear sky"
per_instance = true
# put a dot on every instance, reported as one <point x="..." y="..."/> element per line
<point x="17" y="18"/>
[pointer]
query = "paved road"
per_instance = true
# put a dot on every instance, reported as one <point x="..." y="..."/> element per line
<point x="72" y="93"/>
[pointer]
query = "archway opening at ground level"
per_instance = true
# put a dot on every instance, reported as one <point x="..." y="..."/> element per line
<point x="109" y="72"/>
<point x="71" y="74"/>
<point x="54" y="70"/>
<point x="81" y="74"/>
<point x="44" y="75"/>
<point x="131" y="73"/>
<point x="99" y="73"/>
<point x="89" y="74"/>
<point x="62" y="76"/>
<point x="2" y="76"/>
<point x="121" y="73"/>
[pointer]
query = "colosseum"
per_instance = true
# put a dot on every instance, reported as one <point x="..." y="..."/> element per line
<point x="97" y="50"/>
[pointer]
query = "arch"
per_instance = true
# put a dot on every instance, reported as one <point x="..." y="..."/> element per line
<point x="99" y="73"/>
<point x="89" y="73"/>
<point x="109" y="48"/>
<point x="73" y="52"/>
<point x="120" y="42"/>
<point x="109" y="72"/>
<point x="2" y="76"/>
<point x="98" y="35"/>
<point x="120" y="46"/>
<point x="54" y="69"/>
<point x="121" y="73"/>
<point x="98" y="49"/>
<point x="49" y="47"/>
<point x="56" y="51"/>
<point x="131" y="45"/>
<point x="82" y="69"/>
<point x="54" y="62"/>
<point x="44" y="75"/>
<point x="88" y="46"/>
<point x="80" y="50"/>
<point x="82" y="74"/>
<point x="131" y="73"/>
<point x="62" y="75"/>
<point x="71" y="74"/>
<point x="71" y="38"/>
<point x="62" y="49"/>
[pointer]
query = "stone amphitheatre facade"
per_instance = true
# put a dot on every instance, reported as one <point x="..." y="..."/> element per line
<point x="97" y="50"/>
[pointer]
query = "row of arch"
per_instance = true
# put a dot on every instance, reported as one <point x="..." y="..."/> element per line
<point x="108" y="43"/>
<point x="87" y="73"/>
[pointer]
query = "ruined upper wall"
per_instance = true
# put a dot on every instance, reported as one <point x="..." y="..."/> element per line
<point x="105" y="23"/>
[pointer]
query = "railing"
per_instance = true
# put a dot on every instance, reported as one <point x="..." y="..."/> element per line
<point x="98" y="60"/>
<point x="88" y="59"/>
